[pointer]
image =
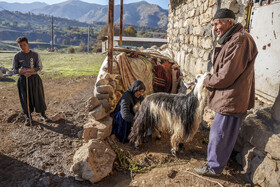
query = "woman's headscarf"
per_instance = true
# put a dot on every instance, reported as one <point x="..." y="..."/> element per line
<point x="136" y="86"/>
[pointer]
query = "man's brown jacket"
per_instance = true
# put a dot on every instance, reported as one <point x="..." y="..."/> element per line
<point x="232" y="85"/>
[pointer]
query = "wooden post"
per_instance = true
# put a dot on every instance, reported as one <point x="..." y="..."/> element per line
<point x="121" y="23"/>
<point x="110" y="35"/>
<point x="52" y="45"/>
<point x="88" y="41"/>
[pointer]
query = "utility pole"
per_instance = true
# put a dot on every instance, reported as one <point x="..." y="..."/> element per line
<point x="52" y="47"/>
<point x="88" y="41"/>
<point x="110" y="35"/>
<point x="121" y="23"/>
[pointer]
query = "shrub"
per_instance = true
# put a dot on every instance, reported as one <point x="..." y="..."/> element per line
<point x="97" y="48"/>
<point x="83" y="47"/>
<point x="71" y="49"/>
<point x="130" y="31"/>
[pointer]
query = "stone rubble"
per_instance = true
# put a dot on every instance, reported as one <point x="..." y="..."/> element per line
<point x="57" y="117"/>
<point x="93" y="161"/>
<point x="259" y="150"/>
<point x="4" y="72"/>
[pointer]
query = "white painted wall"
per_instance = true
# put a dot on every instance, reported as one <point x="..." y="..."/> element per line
<point x="265" y="29"/>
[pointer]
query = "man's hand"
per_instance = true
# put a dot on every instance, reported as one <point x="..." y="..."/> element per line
<point x="22" y="71"/>
<point x="26" y="72"/>
<point x="31" y="70"/>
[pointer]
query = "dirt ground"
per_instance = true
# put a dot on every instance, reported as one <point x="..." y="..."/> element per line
<point x="42" y="155"/>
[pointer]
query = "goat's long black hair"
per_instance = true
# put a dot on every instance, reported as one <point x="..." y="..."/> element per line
<point x="178" y="105"/>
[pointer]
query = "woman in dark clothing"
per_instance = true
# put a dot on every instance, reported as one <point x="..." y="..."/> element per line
<point x="123" y="114"/>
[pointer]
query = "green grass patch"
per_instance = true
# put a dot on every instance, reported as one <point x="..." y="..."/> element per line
<point x="56" y="65"/>
<point x="71" y="65"/>
<point x="127" y="162"/>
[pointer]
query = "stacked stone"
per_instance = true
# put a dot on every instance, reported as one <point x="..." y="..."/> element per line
<point x="108" y="91"/>
<point x="94" y="160"/>
<point x="190" y="31"/>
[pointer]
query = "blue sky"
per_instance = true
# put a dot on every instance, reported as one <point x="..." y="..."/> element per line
<point x="162" y="3"/>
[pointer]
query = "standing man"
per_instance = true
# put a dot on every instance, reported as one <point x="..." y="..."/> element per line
<point x="232" y="88"/>
<point x="27" y="63"/>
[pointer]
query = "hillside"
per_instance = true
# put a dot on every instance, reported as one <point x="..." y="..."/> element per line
<point x="72" y="9"/>
<point x="71" y="31"/>
<point x="38" y="27"/>
<point x="140" y="13"/>
<point x="21" y="19"/>
<point x="23" y="7"/>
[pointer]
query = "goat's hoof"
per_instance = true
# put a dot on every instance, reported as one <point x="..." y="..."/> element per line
<point x="173" y="152"/>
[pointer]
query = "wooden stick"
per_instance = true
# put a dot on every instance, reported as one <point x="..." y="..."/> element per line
<point x="142" y="53"/>
<point x="204" y="178"/>
<point x="110" y="35"/>
<point x="27" y="95"/>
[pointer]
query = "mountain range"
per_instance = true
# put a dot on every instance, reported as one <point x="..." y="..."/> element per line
<point x="21" y="7"/>
<point x="139" y="13"/>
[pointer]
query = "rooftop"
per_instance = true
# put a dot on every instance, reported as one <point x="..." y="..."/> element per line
<point x="140" y="39"/>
